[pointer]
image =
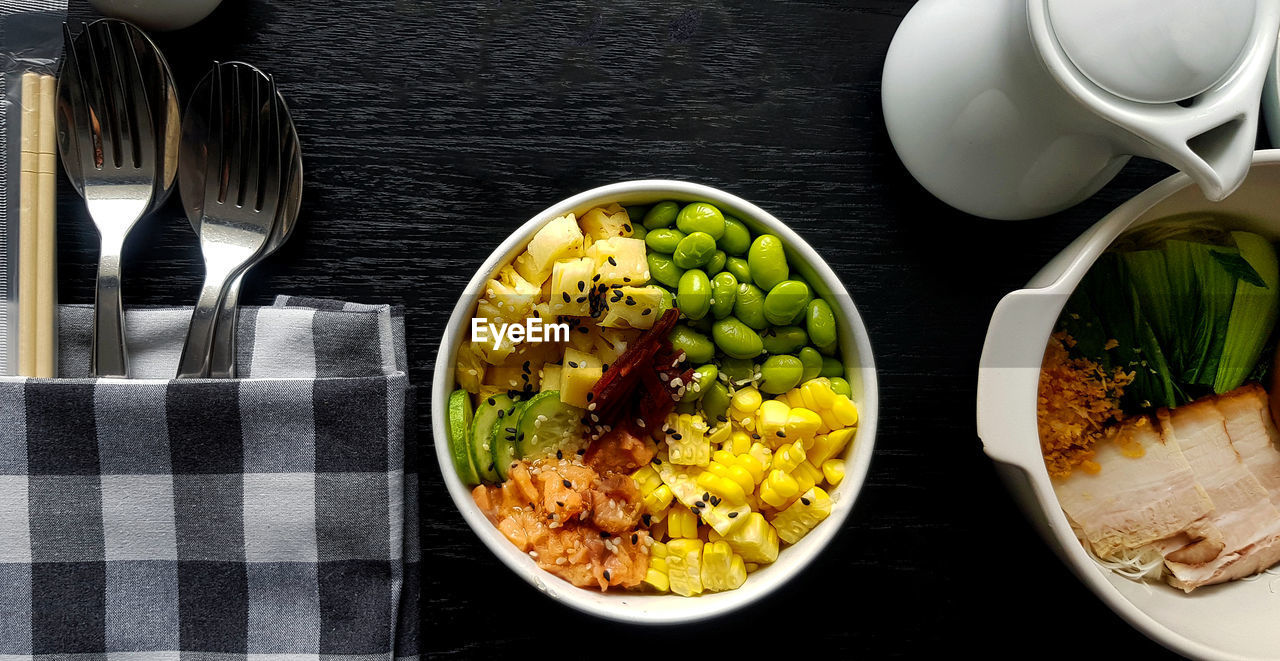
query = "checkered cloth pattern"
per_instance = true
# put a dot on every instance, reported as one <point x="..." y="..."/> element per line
<point x="271" y="517"/>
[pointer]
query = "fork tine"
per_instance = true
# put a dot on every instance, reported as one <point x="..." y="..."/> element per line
<point x="251" y="115"/>
<point x="234" y="142"/>
<point x="213" y="171"/>
<point x="118" y="97"/>
<point x="77" y="97"/>
<point x="272" y="182"/>
<point x="139" y="106"/>
<point x="107" y="68"/>
<point x="99" y="119"/>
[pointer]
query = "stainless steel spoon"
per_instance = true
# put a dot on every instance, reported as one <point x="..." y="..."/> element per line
<point x="193" y="156"/>
<point x="166" y="115"/>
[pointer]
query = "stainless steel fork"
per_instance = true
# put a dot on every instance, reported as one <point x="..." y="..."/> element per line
<point x="109" y="115"/>
<point x="242" y="182"/>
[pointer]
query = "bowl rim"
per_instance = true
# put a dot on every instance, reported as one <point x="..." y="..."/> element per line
<point x="619" y="606"/>
<point x="1004" y="442"/>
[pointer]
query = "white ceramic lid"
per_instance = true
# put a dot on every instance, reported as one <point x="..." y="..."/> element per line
<point x="1153" y="51"/>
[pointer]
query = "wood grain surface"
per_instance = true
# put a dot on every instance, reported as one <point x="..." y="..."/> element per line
<point x="431" y="129"/>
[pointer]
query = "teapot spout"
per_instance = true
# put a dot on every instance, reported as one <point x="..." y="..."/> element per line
<point x="1217" y="158"/>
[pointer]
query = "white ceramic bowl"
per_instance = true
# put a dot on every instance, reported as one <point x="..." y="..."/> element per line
<point x="662" y="609"/>
<point x="1231" y="621"/>
<point x="158" y="14"/>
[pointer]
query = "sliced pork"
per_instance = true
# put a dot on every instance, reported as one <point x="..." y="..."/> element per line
<point x="1254" y="435"/>
<point x="1145" y="493"/>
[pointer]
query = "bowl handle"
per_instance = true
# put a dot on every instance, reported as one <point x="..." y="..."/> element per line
<point x="1009" y="374"/>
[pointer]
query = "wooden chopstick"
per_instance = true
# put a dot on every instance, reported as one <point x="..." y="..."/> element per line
<point x="47" y="236"/>
<point x="27" y="238"/>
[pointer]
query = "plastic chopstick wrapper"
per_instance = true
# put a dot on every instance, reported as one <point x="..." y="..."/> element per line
<point x="30" y="44"/>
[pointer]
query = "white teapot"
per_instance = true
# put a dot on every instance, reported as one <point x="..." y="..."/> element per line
<point x="1016" y="109"/>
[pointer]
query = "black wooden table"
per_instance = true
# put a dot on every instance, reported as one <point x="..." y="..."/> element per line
<point x="431" y="130"/>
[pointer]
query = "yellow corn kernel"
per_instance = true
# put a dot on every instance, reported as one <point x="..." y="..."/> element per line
<point x="787" y="457"/>
<point x="746" y="400"/>
<point x="658" y="529"/>
<point x="656" y="580"/>
<point x="833" y="471"/>
<point x="807" y="476"/>
<point x="687" y="440"/>
<point x="658" y="500"/>
<point x="771" y="418"/>
<point x="722" y="569"/>
<point x="736" y="471"/>
<point x="778" y="488"/>
<point x="829" y="419"/>
<point x="658" y="550"/>
<point x="740" y="442"/>
<point x="720" y="434"/>
<point x="762" y="454"/>
<point x="682" y="524"/>
<point x="646" y="479"/>
<point x="830" y="445"/>
<point x="755" y="540"/>
<point x="716" y="482"/>
<point x="845" y="410"/>
<point x="802" y="423"/>
<point x="796" y="521"/>
<point x="684" y="566"/>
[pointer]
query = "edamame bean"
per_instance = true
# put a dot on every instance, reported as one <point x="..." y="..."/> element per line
<point x="724" y="291"/>
<point x="831" y="367"/>
<point x="784" y="339"/>
<point x="749" y="306"/>
<point x="812" y="361"/>
<point x="737" y="238"/>
<point x="735" y="339"/>
<point x="701" y="217"/>
<point x="693" y="296"/>
<point x="694" y="250"/>
<point x="702" y="377"/>
<point x="821" y="324"/>
<point x="662" y="269"/>
<point x="663" y="240"/>
<point x="768" y="261"/>
<point x="697" y="347"/>
<point x="738" y="267"/>
<point x="715" y="403"/>
<point x="780" y="374"/>
<point x="739" y="370"/>
<point x="660" y="215"/>
<point x="638" y="231"/>
<point x="716" y="263"/>
<point x="689" y="408"/>
<point x="786" y="300"/>
<point x="838" y="385"/>
<point x="635" y="214"/>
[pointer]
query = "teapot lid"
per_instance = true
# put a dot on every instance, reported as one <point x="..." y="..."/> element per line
<point x="1153" y="51"/>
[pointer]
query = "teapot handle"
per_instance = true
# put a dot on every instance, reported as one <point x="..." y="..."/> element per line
<point x="1210" y="137"/>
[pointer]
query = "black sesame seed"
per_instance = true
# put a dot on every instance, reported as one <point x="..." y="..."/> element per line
<point x="646" y="312"/>
<point x="511" y="430"/>
<point x="559" y="503"/>
<point x="631" y="301"/>
<point x="705" y="495"/>
<point x="605" y="368"/>
<point x="606" y="575"/>
<point x="733" y="515"/>
<point x="612" y="261"/>
<point x="582" y="286"/>
<point x="582" y="451"/>
<point x="590" y="396"/>
<point x="700" y="504"/>
<point x="491" y="402"/>
<point x="677" y="436"/>
<point x="635" y="538"/>
<point x="595" y="278"/>
<point x="805" y="501"/>
<point x="582" y="299"/>
<point x="565" y="295"/>
<point x="656" y="461"/>
<point x="559" y="454"/>
<point x="715" y="500"/>
<point x="604" y="534"/>
<point x="501" y="413"/>
<point x="567" y="484"/>
<point x="755" y="436"/>
<point x="573" y="364"/>
<point x="781" y="434"/>
<point x="722" y="418"/>
<point x="626" y="226"/>
<point x="648" y="518"/>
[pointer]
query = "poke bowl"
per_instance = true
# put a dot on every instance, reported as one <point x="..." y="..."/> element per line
<point x="636" y="471"/>
<point x="1167" y="512"/>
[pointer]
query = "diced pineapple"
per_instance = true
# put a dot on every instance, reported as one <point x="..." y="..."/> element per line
<point x="687" y="440"/>
<point x="631" y="307"/>
<point x="511" y="378"/>
<point x="578" y="376"/>
<point x="755" y="540"/>
<point x="512" y="279"/>
<point x="606" y="222"/>
<point x="550" y="378"/>
<point x="469" y="372"/>
<point x="571" y="287"/>
<point x="613" y="342"/>
<point x="794" y="522"/>
<point x="484" y="346"/>
<point x="684" y="566"/>
<point x="583" y="340"/>
<point x="559" y="239"/>
<point x="620" y="261"/>
<point x="722" y="569"/>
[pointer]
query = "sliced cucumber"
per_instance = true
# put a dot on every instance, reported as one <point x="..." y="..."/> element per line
<point x="547" y="425"/>
<point x="505" y="435"/>
<point x="459" y="437"/>
<point x="487" y="413"/>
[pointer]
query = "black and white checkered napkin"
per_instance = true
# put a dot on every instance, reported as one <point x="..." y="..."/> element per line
<point x="268" y="517"/>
